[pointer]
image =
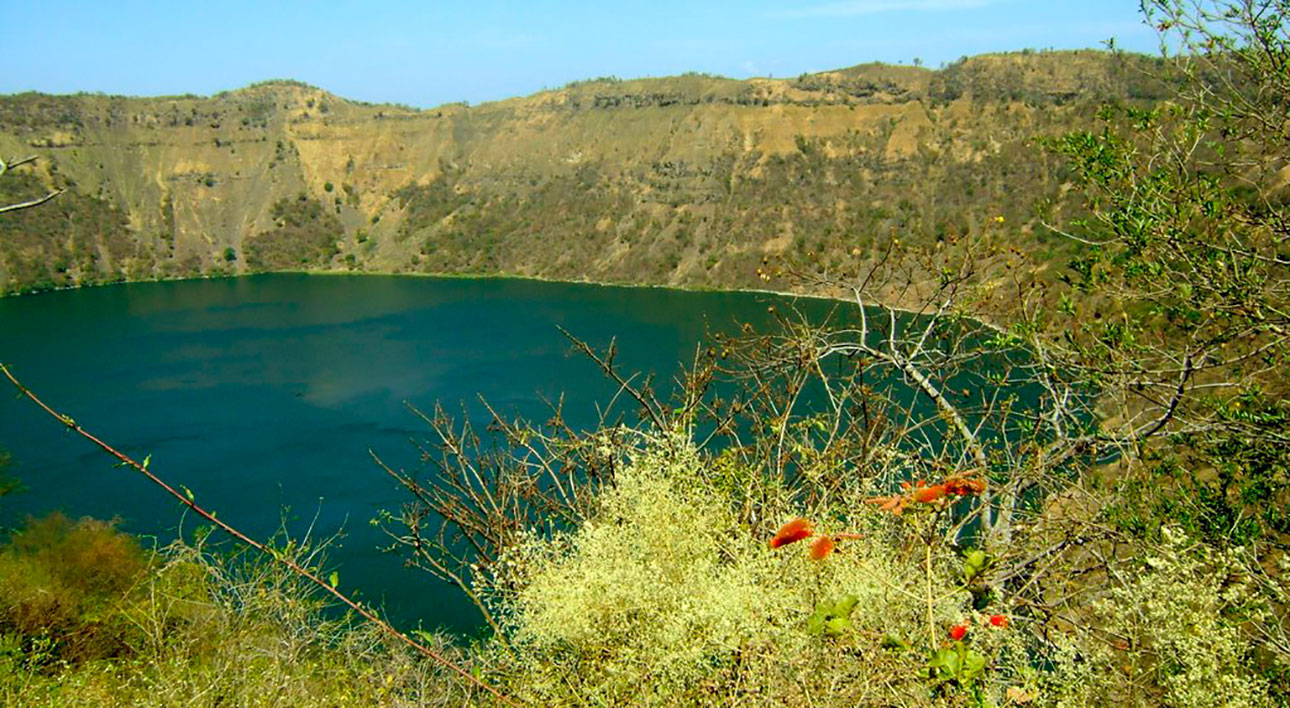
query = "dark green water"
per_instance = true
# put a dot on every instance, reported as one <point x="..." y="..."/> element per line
<point x="265" y="393"/>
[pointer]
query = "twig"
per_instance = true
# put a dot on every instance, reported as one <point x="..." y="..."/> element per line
<point x="643" y="395"/>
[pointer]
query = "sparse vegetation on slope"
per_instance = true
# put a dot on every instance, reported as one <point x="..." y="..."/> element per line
<point x="73" y="240"/>
<point x="687" y="180"/>
<point x="304" y="236"/>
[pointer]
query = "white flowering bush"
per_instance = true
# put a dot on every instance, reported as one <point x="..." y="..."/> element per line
<point x="1172" y="631"/>
<point x="664" y="598"/>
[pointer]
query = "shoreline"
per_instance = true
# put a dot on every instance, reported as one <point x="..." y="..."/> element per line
<point x="478" y="276"/>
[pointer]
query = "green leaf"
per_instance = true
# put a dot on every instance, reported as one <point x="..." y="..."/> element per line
<point x="891" y="641"/>
<point x="974" y="564"/>
<point x="837" y="626"/>
<point x="845" y="606"/>
<point x="972" y="666"/>
<point x="334" y="578"/>
<point x="832" y="617"/>
<point x="953" y="663"/>
<point x="815" y="623"/>
<point x="944" y="663"/>
<point x="188" y="493"/>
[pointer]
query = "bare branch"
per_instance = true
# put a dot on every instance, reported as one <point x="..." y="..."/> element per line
<point x="32" y="203"/>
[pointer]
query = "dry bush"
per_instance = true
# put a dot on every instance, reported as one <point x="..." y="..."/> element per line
<point x="1186" y="625"/>
<point x="188" y="627"/>
<point x="60" y="579"/>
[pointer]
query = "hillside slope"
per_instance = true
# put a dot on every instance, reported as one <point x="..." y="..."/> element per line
<point x="688" y="180"/>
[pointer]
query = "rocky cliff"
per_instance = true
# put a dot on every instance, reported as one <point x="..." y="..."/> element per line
<point x="687" y="180"/>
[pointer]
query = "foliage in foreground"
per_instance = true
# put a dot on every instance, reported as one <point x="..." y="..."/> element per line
<point x="663" y="597"/>
<point x="89" y="618"/>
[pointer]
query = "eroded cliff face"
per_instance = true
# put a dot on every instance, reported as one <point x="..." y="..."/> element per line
<point x="689" y="180"/>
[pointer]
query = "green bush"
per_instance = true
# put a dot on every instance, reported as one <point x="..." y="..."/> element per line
<point x="1174" y="633"/>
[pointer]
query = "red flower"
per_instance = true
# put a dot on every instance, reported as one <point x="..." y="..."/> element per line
<point x="792" y="532"/>
<point x="964" y="486"/>
<point x="822" y="547"/>
<point x="927" y="495"/>
<point x="919" y="491"/>
<point x="1000" y="621"/>
<point x="958" y="631"/>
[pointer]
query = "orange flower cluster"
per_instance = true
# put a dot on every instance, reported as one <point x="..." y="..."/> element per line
<point x="792" y="532"/>
<point x="921" y="492"/>
<point x="802" y="529"/>
<point x="822" y="547"/>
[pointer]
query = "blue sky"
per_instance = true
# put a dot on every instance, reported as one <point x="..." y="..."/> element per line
<point x="428" y="53"/>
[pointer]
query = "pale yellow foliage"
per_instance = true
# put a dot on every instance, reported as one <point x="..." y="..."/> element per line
<point x="663" y="597"/>
<point x="1176" y="645"/>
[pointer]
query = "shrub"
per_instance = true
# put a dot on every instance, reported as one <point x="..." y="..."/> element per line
<point x="664" y="598"/>
<point x="1172" y="632"/>
<point x="58" y="578"/>
<point x="304" y="236"/>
